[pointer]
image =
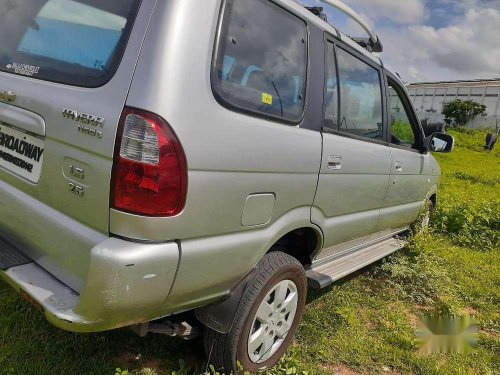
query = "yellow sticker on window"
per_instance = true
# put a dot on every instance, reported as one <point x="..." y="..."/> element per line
<point x="267" y="99"/>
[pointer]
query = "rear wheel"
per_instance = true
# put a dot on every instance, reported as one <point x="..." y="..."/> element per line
<point x="266" y="320"/>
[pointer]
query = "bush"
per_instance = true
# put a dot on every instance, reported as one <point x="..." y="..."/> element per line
<point x="460" y="112"/>
<point x="475" y="225"/>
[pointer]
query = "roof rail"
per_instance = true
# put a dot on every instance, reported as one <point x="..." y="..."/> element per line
<point x="373" y="43"/>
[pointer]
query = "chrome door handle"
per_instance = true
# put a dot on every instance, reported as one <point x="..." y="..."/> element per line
<point x="399" y="166"/>
<point x="335" y="163"/>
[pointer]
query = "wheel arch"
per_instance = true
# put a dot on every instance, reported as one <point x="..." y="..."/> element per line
<point x="433" y="199"/>
<point x="432" y="195"/>
<point x="295" y="225"/>
<point x="300" y="243"/>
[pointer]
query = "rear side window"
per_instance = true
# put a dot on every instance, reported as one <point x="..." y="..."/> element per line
<point x="261" y="60"/>
<point x="360" y="97"/>
<point x="73" y="42"/>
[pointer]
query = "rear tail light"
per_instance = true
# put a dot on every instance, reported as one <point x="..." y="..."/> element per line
<point x="149" y="172"/>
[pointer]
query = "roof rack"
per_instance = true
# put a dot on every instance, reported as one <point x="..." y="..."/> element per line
<point x="372" y="43"/>
<point x="318" y="11"/>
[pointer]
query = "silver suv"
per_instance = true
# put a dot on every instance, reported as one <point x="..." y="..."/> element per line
<point x="216" y="156"/>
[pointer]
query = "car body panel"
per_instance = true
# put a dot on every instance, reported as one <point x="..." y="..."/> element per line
<point x="243" y="154"/>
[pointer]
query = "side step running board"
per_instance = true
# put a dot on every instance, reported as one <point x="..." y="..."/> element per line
<point x="325" y="274"/>
<point x="10" y="256"/>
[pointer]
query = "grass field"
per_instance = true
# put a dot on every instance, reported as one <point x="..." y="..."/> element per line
<point x="364" y="324"/>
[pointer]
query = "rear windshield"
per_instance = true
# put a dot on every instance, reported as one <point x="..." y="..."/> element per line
<point x="79" y="42"/>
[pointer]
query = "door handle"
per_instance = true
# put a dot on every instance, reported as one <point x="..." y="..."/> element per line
<point x="399" y="166"/>
<point x="335" y="163"/>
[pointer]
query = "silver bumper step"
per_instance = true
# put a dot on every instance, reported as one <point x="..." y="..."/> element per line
<point x="323" y="275"/>
<point x="10" y="256"/>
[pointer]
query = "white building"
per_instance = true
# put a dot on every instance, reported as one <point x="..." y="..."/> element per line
<point x="429" y="97"/>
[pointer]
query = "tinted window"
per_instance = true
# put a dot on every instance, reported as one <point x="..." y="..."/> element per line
<point x="74" y="42"/>
<point x="360" y="97"/>
<point x="262" y="59"/>
<point x="402" y="131"/>
<point x="331" y="89"/>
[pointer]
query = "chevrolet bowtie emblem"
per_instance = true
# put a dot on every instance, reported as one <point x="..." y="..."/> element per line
<point x="7" y="96"/>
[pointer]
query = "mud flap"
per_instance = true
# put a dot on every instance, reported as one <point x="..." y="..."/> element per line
<point x="220" y="316"/>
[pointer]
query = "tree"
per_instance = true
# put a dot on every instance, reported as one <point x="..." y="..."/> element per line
<point x="459" y="112"/>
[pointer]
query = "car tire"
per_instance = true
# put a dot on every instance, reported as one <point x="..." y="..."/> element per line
<point x="268" y="316"/>
<point x="491" y="140"/>
<point x="424" y="220"/>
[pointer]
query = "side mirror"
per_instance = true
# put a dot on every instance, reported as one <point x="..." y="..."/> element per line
<point x="440" y="142"/>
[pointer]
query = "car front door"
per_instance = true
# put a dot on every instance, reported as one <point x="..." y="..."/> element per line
<point x="356" y="159"/>
<point x="409" y="179"/>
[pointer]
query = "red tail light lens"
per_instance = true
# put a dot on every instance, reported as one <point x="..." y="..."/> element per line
<point x="149" y="172"/>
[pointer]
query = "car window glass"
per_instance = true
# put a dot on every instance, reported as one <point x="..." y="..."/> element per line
<point x="331" y="89"/>
<point x="262" y="61"/>
<point x="360" y="97"/>
<point x="74" y="42"/>
<point x="402" y="131"/>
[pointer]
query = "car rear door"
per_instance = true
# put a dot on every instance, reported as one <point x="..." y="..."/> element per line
<point x="65" y="72"/>
<point x="356" y="159"/>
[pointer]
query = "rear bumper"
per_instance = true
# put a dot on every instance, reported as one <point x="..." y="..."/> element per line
<point x="127" y="283"/>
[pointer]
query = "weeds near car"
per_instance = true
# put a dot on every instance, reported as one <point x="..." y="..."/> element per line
<point x="469" y="207"/>
<point x="418" y="276"/>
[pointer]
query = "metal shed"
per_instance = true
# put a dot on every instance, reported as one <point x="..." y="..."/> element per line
<point x="429" y="97"/>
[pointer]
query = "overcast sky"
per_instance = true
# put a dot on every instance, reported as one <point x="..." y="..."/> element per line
<point x="429" y="40"/>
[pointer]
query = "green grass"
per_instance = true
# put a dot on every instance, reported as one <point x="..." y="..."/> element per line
<point x="403" y="131"/>
<point x="364" y="324"/>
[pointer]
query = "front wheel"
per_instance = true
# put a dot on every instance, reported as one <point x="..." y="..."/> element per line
<point x="266" y="320"/>
<point x="424" y="221"/>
